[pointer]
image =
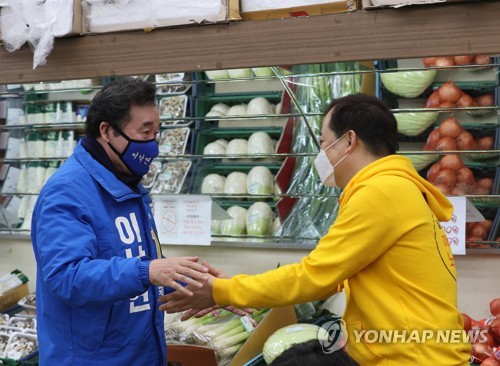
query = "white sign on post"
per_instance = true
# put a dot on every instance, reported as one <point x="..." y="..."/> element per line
<point x="463" y="212"/>
<point x="184" y="219"/>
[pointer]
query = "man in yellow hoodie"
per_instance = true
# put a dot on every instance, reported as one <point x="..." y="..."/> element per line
<point x="386" y="249"/>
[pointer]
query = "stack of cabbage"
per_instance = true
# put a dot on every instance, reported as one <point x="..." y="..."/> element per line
<point x="258" y="106"/>
<point x="258" y="181"/>
<point x="259" y="143"/>
<point x="410" y="84"/>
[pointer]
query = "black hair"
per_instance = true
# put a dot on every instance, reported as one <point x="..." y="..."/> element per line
<point x="312" y="354"/>
<point x="112" y="103"/>
<point x="369" y="118"/>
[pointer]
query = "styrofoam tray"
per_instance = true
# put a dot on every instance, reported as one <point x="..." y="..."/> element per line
<point x="149" y="179"/>
<point x="172" y="83"/>
<point x="12" y="352"/>
<point x="173" y="141"/>
<point x="173" y="107"/>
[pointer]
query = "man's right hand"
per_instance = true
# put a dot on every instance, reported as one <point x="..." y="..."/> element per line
<point x="170" y="271"/>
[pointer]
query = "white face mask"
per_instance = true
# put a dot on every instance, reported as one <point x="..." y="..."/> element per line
<point x="325" y="169"/>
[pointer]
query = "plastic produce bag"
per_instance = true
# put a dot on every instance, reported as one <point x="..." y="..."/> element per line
<point x="36" y="23"/>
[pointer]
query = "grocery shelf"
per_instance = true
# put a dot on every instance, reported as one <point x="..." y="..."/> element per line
<point x="456" y="28"/>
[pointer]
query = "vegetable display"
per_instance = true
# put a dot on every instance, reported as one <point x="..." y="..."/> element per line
<point x="444" y="61"/>
<point x="484" y="336"/>
<point x="220" y="330"/>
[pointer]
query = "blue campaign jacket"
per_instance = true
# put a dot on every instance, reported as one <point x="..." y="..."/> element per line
<point x="93" y="239"/>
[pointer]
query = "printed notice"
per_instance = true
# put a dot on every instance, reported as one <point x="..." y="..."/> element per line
<point x="463" y="212"/>
<point x="183" y="219"/>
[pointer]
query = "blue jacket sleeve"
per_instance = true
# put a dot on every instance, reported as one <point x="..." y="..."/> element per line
<point x="66" y="249"/>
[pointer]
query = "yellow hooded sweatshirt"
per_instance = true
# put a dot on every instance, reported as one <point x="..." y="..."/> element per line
<point x="387" y="249"/>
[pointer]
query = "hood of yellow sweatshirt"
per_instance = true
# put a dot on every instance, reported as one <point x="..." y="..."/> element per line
<point x="401" y="166"/>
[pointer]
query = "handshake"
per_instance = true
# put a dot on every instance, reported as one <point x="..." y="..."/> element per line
<point x="196" y="297"/>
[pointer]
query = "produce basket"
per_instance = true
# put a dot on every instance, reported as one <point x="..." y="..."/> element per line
<point x="150" y="177"/>
<point x="21" y="345"/>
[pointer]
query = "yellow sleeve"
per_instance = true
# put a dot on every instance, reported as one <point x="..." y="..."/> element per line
<point x="365" y="228"/>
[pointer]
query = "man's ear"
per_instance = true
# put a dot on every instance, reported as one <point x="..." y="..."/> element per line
<point x="105" y="130"/>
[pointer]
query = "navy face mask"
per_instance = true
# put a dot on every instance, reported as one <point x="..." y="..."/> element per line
<point x="138" y="154"/>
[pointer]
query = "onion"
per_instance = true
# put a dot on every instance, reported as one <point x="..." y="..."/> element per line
<point x="445" y="61"/>
<point x="433" y="138"/>
<point x="457" y="191"/>
<point x="451" y="161"/>
<point x="486" y="183"/>
<point x="450" y="127"/>
<point x="478" y="231"/>
<point x="495" y="307"/>
<point x="433" y="172"/>
<point x="465" y="141"/>
<point x="429" y="61"/>
<point x="447" y="105"/>
<point x="463" y="60"/>
<point x="466" y="101"/>
<point x="446" y="144"/>
<point x="481" y="191"/>
<point x="495" y="329"/>
<point x="449" y="92"/>
<point x="485" y="100"/>
<point x="482" y="59"/>
<point x="467" y="321"/>
<point x="487" y="224"/>
<point x="485" y="143"/>
<point x="465" y="176"/>
<point x="447" y="177"/>
<point x="490" y="361"/>
<point x="480" y="352"/>
<point x="433" y="101"/>
<point x="443" y="188"/>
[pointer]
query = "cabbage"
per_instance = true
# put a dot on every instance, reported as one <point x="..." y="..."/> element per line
<point x="213" y="183"/>
<point x="222" y="142"/>
<point x="237" y="147"/>
<point x="414" y="123"/>
<point x="240" y="73"/>
<point x="217" y="74"/>
<point x="286" y="337"/>
<point x="260" y="143"/>
<point x="277" y="108"/>
<point x="259" y="219"/>
<point x="214" y="148"/>
<point x="260" y="180"/>
<point x="236" y="225"/>
<point x="263" y="71"/>
<point x="408" y="84"/>
<point x="215" y="226"/>
<point x="259" y="106"/>
<point x="214" y="114"/>
<point x="237" y="110"/>
<point x="277" y="192"/>
<point x="236" y="183"/>
<point x="221" y="108"/>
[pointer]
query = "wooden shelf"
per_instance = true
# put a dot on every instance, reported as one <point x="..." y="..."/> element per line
<point x="431" y="30"/>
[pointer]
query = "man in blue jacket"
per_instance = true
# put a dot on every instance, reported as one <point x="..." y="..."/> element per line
<point x="99" y="265"/>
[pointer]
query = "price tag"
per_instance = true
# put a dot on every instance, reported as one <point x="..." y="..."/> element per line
<point x="463" y="212"/>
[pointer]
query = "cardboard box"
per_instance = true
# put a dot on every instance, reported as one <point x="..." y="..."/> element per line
<point x="259" y="10"/>
<point x="190" y="355"/>
<point x="10" y="298"/>
<point x="377" y="4"/>
<point x="276" y="319"/>
<point x="102" y="17"/>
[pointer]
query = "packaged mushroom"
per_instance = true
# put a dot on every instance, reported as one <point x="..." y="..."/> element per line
<point x="21" y="345"/>
<point x="173" y="83"/>
<point x="4" y="319"/>
<point x="5" y="329"/>
<point x="171" y="178"/>
<point x="29" y="301"/>
<point x="4" y="340"/>
<point x="173" y="107"/>
<point x="173" y="141"/>
<point x="149" y="179"/>
<point x="22" y="323"/>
